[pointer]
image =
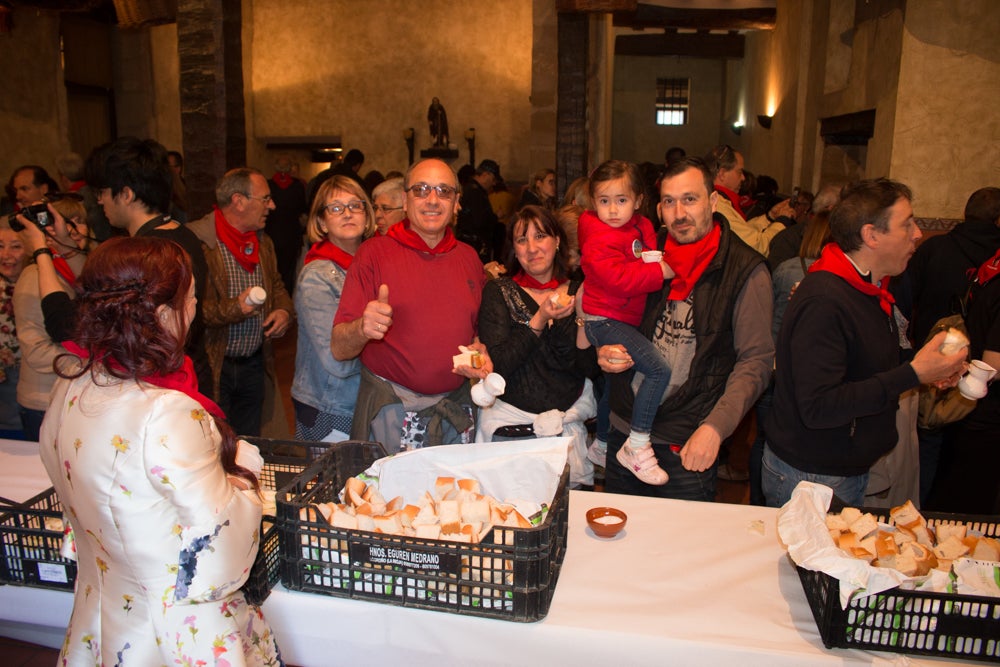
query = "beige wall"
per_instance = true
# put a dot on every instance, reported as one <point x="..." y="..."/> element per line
<point x="946" y="141"/>
<point x="635" y="135"/>
<point x="32" y="106"/>
<point x="365" y="71"/>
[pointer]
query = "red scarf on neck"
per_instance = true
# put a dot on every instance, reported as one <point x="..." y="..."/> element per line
<point x="326" y="249"/>
<point x="833" y="260"/>
<point x="183" y="379"/>
<point x="244" y="246"/>
<point x="76" y="185"/>
<point x="733" y="197"/>
<point x="282" y="179"/>
<point x="402" y="233"/>
<point x="689" y="261"/>
<point x="63" y="269"/>
<point x="528" y="282"/>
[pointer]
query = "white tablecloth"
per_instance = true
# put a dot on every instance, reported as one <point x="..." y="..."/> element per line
<point x="685" y="584"/>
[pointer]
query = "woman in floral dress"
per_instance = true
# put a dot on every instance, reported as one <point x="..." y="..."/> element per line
<point x="165" y="522"/>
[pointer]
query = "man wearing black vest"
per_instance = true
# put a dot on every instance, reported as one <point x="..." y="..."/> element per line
<point x="712" y="324"/>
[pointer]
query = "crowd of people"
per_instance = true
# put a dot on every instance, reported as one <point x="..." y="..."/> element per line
<point x="643" y="317"/>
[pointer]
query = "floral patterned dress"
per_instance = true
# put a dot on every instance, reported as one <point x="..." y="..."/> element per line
<point x="163" y="540"/>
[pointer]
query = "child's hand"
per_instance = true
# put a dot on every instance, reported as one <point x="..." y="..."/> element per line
<point x="668" y="273"/>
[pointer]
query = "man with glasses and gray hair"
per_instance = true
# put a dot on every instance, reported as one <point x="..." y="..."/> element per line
<point x="239" y="325"/>
<point x="410" y="299"/>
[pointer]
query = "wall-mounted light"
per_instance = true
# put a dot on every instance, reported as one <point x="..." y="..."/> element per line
<point x="764" y="121"/>
<point x="408" y="135"/>
<point x="737" y="127"/>
<point x="325" y="154"/>
<point x="470" y="137"/>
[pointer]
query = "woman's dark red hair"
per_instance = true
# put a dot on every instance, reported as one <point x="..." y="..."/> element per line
<point x="124" y="283"/>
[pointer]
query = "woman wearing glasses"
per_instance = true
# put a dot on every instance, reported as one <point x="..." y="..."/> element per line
<point x="324" y="390"/>
<point x="389" y="197"/>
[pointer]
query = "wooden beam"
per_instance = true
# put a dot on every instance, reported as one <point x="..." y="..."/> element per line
<point x="650" y="16"/>
<point x="596" y="5"/>
<point x="673" y="44"/>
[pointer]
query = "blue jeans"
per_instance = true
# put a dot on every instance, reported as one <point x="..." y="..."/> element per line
<point x="779" y="480"/>
<point x="241" y="392"/>
<point x="683" y="485"/>
<point x="648" y="361"/>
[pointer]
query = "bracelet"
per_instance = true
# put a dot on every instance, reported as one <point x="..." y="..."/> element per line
<point x="528" y="324"/>
<point x="580" y="322"/>
<point x="41" y="251"/>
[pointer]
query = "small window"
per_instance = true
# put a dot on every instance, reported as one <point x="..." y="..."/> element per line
<point x="672" y="101"/>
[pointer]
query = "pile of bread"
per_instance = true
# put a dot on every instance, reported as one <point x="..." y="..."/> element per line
<point x="457" y="510"/>
<point x="914" y="547"/>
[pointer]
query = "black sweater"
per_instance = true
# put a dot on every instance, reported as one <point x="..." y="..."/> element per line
<point x="543" y="372"/>
<point x="838" y="377"/>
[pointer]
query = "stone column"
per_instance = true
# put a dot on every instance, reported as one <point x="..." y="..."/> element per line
<point x="571" y="127"/>
<point x="210" y="47"/>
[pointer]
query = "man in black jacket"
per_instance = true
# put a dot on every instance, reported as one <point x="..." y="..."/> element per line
<point x="839" y="370"/>
<point x="476" y="220"/>
<point x="712" y="323"/>
<point x="939" y="275"/>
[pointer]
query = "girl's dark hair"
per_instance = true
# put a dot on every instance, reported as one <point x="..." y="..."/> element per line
<point x="124" y="282"/>
<point x="612" y="170"/>
<point x="546" y="221"/>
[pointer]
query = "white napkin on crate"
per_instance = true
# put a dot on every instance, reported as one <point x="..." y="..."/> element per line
<point x="508" y="471"/>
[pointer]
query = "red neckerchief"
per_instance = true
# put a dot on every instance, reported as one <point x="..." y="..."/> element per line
<point x="244" y="246"/>
<point x="988" y="269"/>
<point x="689" y="261"/>
<point x="183" y="379"/>
<point x="402" y="233"/>
<point x="524" y="280"/>
<point x="282" y="179"/>
<point x="733" y="198"/>
<point x="63" y="269"/>
<point x="833" y="260"/>
<point x="76" y="185"/>
<point x="326" y="249"/>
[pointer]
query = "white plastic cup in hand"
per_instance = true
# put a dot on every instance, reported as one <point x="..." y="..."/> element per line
<point x="256" y="297"/>
<point x="484" y="393"/>
<point x="651" y="256"/>
<point x="973" y="384"/>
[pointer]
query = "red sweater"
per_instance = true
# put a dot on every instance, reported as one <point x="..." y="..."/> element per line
<point x="435" y="304"/>
<point x="617" y="281"/>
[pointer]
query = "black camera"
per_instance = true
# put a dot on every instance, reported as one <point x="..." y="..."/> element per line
<point x="37" y="213"/>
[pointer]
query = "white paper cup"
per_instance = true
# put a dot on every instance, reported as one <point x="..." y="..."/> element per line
<point x="481" y="395"/>
<point x="495" y="384"/>
<point x="651" y="256"/>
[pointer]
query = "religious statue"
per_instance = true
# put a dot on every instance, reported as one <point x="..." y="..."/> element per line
<point x="437" y="118"/>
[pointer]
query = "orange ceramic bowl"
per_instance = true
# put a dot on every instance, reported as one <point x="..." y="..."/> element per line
<point x="606" y="521"/>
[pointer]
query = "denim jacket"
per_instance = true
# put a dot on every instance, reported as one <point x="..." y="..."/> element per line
<point x="321" y="381"/>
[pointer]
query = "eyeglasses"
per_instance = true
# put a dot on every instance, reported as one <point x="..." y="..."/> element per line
<point x="336" y="208"/>
<point x="266" y="198"/>
<point x="379" y="208"/>
<point x="423" y="190"/>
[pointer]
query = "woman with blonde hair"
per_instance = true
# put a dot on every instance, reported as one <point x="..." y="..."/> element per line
<point x="540" y="191"/>
<point x="58" y="254"/>
<point x="324" y="390"/>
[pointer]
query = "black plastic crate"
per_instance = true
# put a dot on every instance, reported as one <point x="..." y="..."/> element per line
<point x="283" y="461"/>
<point x="903" y="621"/>
<point x="511" y="574"/>
<point x="32" y="535"/>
